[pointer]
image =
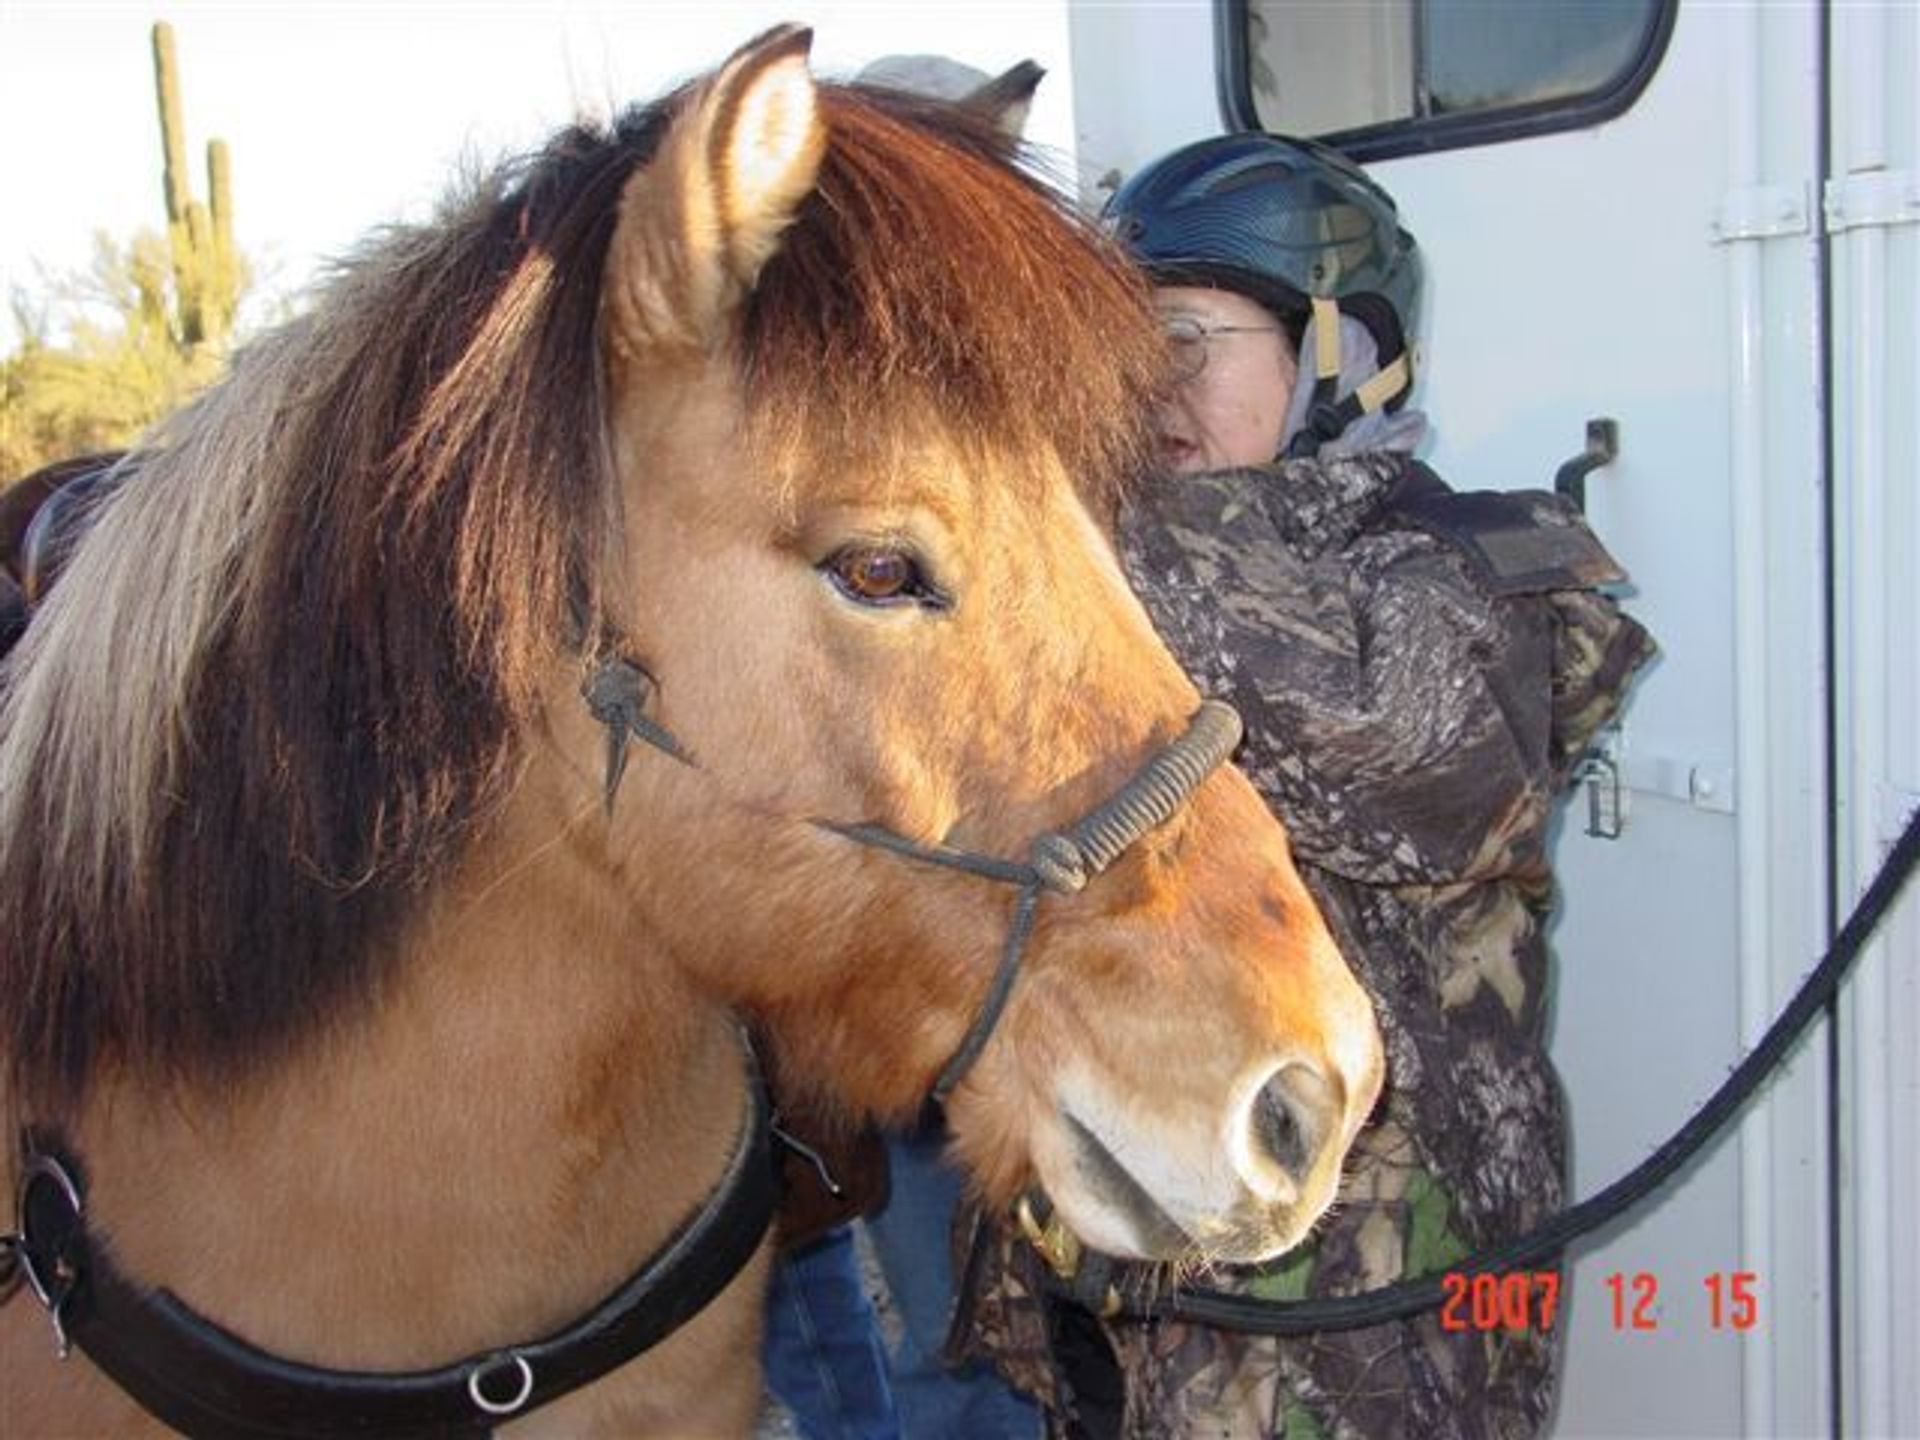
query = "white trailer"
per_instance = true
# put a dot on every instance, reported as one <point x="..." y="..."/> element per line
<point x="1698" y="222"/>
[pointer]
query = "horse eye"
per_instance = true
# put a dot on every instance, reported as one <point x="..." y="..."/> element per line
<point x="876" y="575"/>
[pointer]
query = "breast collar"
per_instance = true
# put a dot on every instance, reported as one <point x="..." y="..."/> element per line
<point x="207" y="1382"/>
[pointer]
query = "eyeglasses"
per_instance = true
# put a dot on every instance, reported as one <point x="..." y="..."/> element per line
<point x="1187" y="342"/>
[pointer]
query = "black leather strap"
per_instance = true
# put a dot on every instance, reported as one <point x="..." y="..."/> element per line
<point x="206" y="1382"/>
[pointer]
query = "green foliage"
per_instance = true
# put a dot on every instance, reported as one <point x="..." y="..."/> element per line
<point x="1297" y="1423"/>
<point x="1433" y="1245"/>
<point x="122" y="360"/>
<point x="143" y="328"/>
<point x="1287" y="1280"/>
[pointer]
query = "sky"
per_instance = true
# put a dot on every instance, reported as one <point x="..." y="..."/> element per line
<point x="345" y="115"/>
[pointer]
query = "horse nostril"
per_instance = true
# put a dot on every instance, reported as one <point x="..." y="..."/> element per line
<point x="1292" y="1115"/>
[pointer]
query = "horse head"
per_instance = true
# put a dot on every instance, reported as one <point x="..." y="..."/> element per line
<point x="868" y="394"/>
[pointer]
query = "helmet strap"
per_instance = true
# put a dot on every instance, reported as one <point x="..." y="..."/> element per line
<point x="1327" y="417"/>
<point x="1388" y="382"/>
<point x="1326" y="346"/>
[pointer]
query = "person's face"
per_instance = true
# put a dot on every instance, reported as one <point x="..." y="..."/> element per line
<point x="1231" y="411"/>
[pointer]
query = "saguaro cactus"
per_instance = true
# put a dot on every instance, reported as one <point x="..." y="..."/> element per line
<point x="206" y="267"/>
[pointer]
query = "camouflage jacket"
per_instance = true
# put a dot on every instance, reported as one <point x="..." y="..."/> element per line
<point x="1420" y="673"/>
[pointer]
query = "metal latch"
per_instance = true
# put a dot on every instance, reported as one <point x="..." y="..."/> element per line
<point x="1759" y="212"/>
<point x="1873" y="197"/>
<point x="1599" y="771"/>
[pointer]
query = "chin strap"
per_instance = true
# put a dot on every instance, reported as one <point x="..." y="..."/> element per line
<point x="1329" y="415"/>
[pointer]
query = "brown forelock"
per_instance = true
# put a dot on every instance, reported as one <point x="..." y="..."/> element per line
<point x="928" y="281"/>
<point x="433" y="498"/>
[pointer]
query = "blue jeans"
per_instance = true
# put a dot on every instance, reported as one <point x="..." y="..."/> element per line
<point x="821" y="1351"/>
<point x="912" y="1237"/>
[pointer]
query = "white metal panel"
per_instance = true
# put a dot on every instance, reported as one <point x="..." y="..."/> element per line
<point x="1581" y="275"/>
<point x="1639" y="1039"/>
<point x="1780" y="712"/>
<point x="1143" y="83"/>
<point x="1873" y="205"/>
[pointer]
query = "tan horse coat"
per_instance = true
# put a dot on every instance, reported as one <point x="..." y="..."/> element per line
<point x="505" y="1069"/>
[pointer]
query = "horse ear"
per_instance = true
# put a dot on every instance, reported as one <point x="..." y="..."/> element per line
<point x="698" y="223"/>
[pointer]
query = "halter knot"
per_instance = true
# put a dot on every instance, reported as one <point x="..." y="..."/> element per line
<point x="1061" y="864"/>
<point x="616" y="694"/>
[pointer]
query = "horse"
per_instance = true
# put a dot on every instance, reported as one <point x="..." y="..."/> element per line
<point x="373" y="996"/>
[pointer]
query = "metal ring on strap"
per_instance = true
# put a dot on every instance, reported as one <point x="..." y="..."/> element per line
<point x="42" y="1247"/>
<point x="494" y="1365"/>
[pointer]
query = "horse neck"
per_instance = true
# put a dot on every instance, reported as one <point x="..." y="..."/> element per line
<point x="533" y="1102"/>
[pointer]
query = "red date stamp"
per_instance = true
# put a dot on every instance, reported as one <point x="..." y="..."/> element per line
<point x="1733" y="1300"/>
<point x="1530" y="1300"/>
<point x="1518" y="1300"/>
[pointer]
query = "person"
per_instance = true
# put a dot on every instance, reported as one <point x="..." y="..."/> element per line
<point x="941" y="1396"/>
<point x="822" y="1352"/>
<point x="1420" y="672"/>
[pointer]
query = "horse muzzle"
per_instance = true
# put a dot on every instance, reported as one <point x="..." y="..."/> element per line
<point x="1244" y="1189"/>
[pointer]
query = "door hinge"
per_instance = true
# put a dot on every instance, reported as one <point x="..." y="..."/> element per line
<point x="1873" y="197"/>
<point x="1759" y="212"/>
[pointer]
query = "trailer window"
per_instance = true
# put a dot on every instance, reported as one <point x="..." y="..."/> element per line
<point x="1393" y="76"/>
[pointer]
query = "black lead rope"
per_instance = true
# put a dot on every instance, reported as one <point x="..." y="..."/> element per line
<point x="1140" y="1297"/>
<point x="1064" y="861"/>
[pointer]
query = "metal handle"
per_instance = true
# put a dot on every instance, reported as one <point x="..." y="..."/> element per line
<point x="1603" y="447"/>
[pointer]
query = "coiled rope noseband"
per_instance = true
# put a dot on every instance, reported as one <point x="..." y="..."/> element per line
<point x="1061" y="862"/>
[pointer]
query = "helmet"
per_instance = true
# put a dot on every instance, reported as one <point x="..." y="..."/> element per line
<point x="1287" y="223"/>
